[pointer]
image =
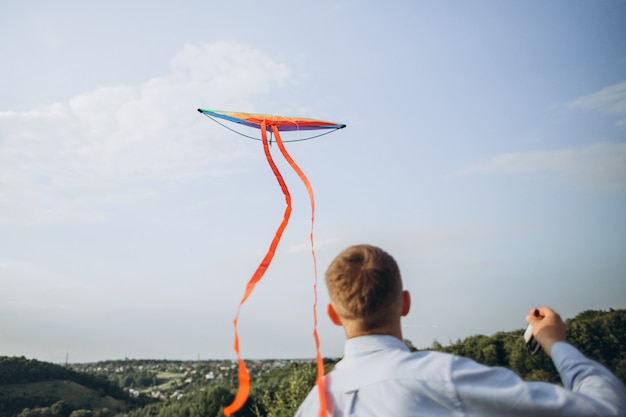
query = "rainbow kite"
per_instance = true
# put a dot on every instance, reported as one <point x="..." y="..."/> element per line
<point x="275" y="124"/>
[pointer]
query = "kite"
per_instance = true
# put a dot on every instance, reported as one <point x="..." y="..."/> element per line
<point x="275" y="124"/>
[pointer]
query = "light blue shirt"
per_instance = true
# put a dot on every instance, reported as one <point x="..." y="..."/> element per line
<point x="379" y="377"/>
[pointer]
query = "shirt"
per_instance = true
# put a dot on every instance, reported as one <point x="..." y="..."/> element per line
<point x="379" y="376"/>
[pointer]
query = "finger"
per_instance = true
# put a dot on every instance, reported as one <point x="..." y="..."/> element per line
<point x="542" y="312"/>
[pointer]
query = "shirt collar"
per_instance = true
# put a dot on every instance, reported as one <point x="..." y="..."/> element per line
<point x="362" y="345"/>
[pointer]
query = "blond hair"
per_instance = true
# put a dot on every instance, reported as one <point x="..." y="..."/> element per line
<point x="364" y="285"/>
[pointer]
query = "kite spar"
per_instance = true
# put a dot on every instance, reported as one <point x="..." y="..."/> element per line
<point x="275" y="124"/>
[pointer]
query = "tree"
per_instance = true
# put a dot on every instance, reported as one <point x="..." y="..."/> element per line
<point x="212" y="402"/>
<point x="410" y="345"/>
<point x="81" y="413"/>
<point x="286" y="397"/>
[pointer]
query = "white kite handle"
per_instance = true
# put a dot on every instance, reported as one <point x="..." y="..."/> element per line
<point x="531" y="343"/>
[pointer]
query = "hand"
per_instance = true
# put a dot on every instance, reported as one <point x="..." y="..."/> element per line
<point x="548" y="327"/>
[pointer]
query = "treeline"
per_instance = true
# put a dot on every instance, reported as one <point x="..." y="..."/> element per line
<point x="601" y="335"/>
<point x="19" y="370"/>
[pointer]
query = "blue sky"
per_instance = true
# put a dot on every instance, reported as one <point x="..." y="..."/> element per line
<point x="485" y="150"/>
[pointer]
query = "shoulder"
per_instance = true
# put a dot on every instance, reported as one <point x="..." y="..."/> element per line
<point x="392" y="364"/>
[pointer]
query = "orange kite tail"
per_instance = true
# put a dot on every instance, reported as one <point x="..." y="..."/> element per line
<point x="320" y="382"/>
<point x="244" y="375"/>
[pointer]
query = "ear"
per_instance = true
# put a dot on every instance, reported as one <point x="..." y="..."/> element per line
<point x="333" y="315"/>
<point x="406" y="302"/>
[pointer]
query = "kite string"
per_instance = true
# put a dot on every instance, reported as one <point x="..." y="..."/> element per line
<point x="244" y="375"/>
<point x="320" y="382"/>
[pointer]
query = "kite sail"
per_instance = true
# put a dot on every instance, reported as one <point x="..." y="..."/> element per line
<point x="275" y="124"/>
<point x="281" y="123"/>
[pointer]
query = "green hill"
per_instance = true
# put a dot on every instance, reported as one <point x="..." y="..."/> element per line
<point x="31" y="388"/>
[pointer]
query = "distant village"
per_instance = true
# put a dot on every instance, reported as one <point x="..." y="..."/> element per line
<point x="165" y="379"/>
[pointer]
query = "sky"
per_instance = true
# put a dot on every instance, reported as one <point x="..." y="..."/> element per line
<point x="485" y="149"/>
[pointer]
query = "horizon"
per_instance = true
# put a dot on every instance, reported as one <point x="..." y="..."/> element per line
<point x="307" y="359"/>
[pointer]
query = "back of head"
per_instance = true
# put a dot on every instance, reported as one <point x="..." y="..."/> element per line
<point x="364" y="286"/>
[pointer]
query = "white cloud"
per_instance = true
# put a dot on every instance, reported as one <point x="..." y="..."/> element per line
<point x="601" y="166"/>
<point x="611" y="99"/>
<point x="127" y="134"/>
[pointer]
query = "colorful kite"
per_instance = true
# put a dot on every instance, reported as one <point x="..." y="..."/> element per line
<point x="274" y="124"/>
